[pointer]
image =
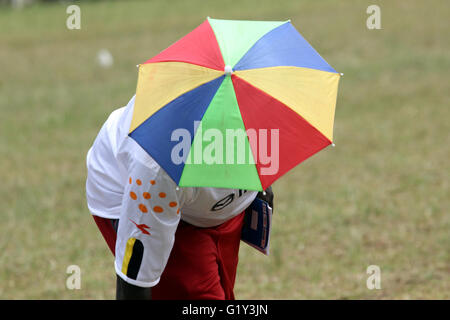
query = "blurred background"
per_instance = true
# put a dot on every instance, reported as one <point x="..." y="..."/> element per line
<point x="380" y="197"/>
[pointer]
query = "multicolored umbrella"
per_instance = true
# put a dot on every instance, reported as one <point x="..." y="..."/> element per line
<point x="234" y="104"/>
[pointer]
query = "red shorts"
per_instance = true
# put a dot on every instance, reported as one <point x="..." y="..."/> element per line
<point x="202" y="263"/>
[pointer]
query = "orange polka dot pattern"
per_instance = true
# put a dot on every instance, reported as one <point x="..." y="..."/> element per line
<point x="146" y="195"/>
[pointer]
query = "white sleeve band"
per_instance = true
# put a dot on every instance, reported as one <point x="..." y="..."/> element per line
<point x="135" y="282"/>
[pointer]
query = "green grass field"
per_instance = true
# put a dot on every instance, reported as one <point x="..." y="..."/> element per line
<point x="380" y="197"/>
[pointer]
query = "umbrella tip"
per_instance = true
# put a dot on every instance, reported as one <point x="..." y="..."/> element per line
<point x="228" y="70"/>
<point x="177" y="188"/>
<point x="333" y="145"/>
<point x="342" y="74"/>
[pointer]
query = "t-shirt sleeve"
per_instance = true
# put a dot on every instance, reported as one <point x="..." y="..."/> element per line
<point x="149" y="217"/>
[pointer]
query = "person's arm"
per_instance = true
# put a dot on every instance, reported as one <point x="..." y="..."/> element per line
<point x="148" y="221"/>
<point x="127" y="291"/>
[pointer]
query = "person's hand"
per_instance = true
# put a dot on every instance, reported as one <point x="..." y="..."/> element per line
<point x="267" y="196"/>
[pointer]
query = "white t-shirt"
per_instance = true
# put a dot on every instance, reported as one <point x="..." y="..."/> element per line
<point x="124" y="182"/>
